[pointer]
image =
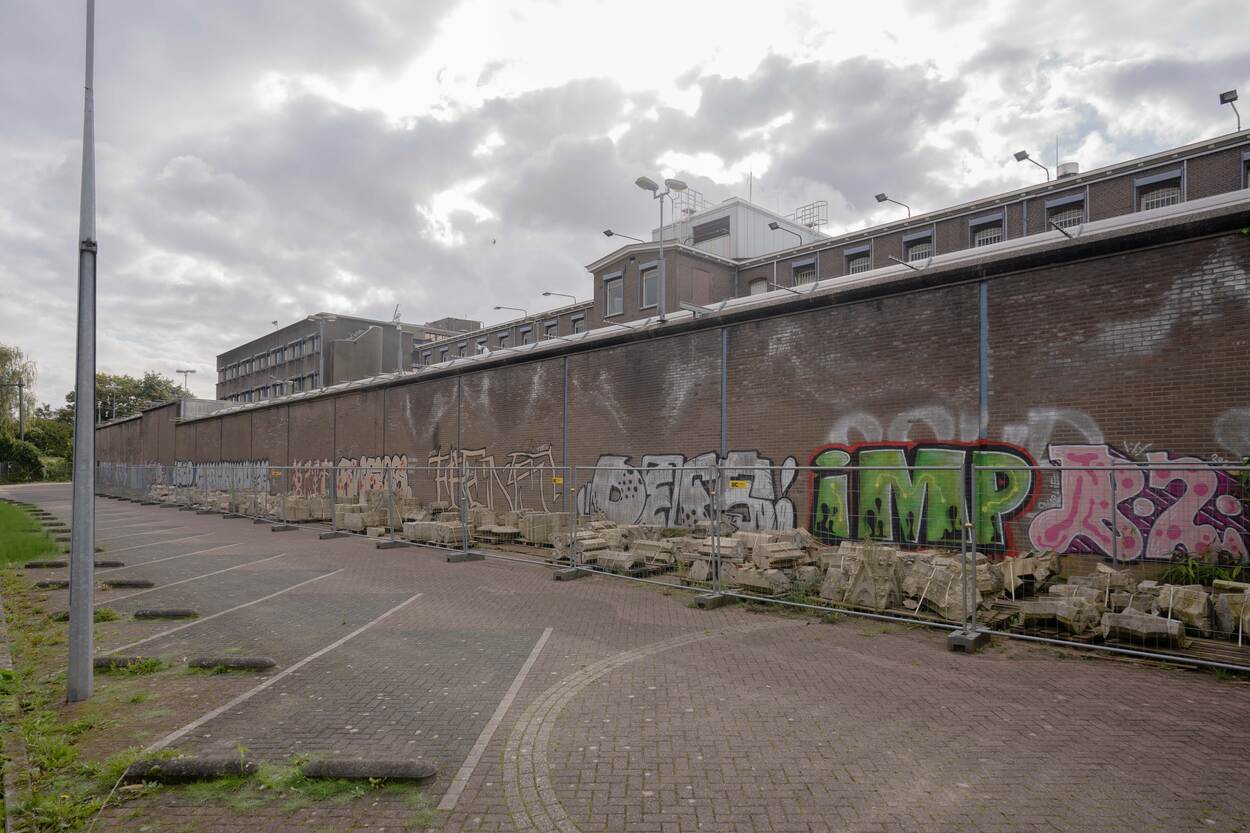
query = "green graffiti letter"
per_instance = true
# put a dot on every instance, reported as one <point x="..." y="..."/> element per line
<point x="1003" y="486"/>
<point x="831" y="510"/>
<point x="924" y="504"/>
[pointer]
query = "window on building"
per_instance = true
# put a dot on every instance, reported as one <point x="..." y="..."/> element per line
<point x="579" y="325"/>
<point x="481" y="346"/>
<point x="299" y="349"/>
<point x="758" y="286"/>
<point x="920" y="249"/>
<point x="650" y="288"/>
<point x="858" y="263"/>
<point x="1158" y="195"/>
<point x="312" y="380"/>
<point x="801" y="273"/>
<point x="1066" y="216"/>
<point x="551" y="329"/>
<point x="313" y="343"/>
<point x="464" y="348"/>
<point x="221" y="375"/>
<point x="987" y="235"/>
<point x="426" y="356"/>
<point x="263" y="392"/>
<point x="503" y="340"/>
<point x="442" y="354"/>
<point x="275" y="356"/>
<point x="527" y="335"/>
<point x="613" y="297"/>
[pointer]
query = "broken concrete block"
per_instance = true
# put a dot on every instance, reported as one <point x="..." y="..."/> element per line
<point x="731" y="548"/>
<point x="376" y="531"/>
<point x="808" y="577"/>
<point x="1075" y="615"/>
<point x="1232" y="613"/>
<point x="656" y="553"/>
<point x="353" y="522"/>
<point x="769" y="582"/>
<point x="1190" y="603"/>
<point x="869" y="578"/>
<point x="1075" y="591"/>
<point x="1144" y="629"/>
<point x="778" y="555"/>
<point x="619" y="561"/>
<point x="1125" y="599"/>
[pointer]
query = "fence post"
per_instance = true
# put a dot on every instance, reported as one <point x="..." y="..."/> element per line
<point x="570" y="504"/>
<point x="465" y="552"/>
<point x="1115" y="522"/>
<point x="969" y="637"/>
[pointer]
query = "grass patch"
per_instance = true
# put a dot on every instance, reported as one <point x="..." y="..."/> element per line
<point x="21" y="537"/>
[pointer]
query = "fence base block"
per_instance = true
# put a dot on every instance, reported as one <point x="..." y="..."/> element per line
<point x="149" y="503"/>
<point x="169" y="506"/>
<point x="393" y="545"/>
<point x="329" y="536"/>
<point x="231" y="515"/>
<point x="282" y="528"/>
<point x="569" y="573"/>
<point x="206" y="512"/>
<point x="459" y="557"/>
<point x="187" y="509"/>
<point x="260" y="521"/>
<point x="967" y="641"/>
<point x="708" y="601"/>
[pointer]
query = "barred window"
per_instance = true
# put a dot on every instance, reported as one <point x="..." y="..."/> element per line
<point x="857" y="264"/>
<point x="987" y="235"/>
<point x="1068" y="217"/>
<point x="919" y="250"/>
<point x="804" y="274"/>
<point x="1159" y="196"/>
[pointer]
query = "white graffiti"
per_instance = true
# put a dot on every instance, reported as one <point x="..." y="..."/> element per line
<point x="225" y="476"/>
<point x="673" y="491"/>
<point x="524" y="480"/>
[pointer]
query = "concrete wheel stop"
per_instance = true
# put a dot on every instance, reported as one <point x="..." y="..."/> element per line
<point x="569" y="573"/>
<point x="52" y="584"/>
<point x="44" y="565"/>
<point x="233" y="663"/>
<point x="461" y="557"/>
<point x="968" y="641"/>
<point x="361" y="770"/>
<point x="167" y="613"/>
<point x="330" y="536"/>
<point x="108" y="662"/>
<point x="109" y="565"/>
<point x="393" y="545"/>
<point x="186" y="770"/>
<point x="120" y="583"/>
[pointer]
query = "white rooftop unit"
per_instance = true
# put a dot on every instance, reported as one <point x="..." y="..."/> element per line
<point x="739" y="229"/>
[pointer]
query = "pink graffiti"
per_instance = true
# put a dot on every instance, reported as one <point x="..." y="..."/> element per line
<point x="1157" y="511"/>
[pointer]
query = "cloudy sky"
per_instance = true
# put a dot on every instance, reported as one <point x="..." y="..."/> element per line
<point x="266" y="159"/>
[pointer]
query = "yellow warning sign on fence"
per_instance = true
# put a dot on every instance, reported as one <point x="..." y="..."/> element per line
<point x="739" y="484"/>
<point x="275" y="472"/>
<point x="557" y="480"/>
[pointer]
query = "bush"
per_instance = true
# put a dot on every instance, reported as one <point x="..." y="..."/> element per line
<point x="21" y="460"/>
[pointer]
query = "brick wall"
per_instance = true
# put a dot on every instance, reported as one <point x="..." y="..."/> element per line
<point x="1132" y="357"/>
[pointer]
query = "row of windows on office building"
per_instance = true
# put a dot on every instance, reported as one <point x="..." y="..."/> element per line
<point x="501" y="340"/>
<point x="262" y="393"/>
<point x="1061" y="212"/>
<point x="262" y="361"/>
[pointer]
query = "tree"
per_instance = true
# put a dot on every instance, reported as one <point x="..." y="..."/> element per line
<point x="15" y="367"/>
<point x="122" y="396"/>
<point x="53" y="437"/>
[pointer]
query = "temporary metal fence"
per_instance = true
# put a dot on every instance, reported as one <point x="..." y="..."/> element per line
<point x="1142" y="559"/>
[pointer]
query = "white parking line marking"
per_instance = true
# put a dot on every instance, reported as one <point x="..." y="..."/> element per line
<point x="166" y="558"/>
<point x="154" y="544"/>
<point x="483" y="740"/>
<point x="204" y="619"/>
<point x="185" y="580"/>
<point x="247" y="695"/>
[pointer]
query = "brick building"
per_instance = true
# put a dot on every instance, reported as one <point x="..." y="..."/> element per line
<point x="1120" y="336"/>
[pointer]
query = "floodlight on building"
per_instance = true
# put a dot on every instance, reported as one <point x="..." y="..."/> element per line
<point x="776" y="226"/>
<point x="572" y="298"/>
<point x="524" y="313"/>
<point x="185" y="374"/>
<point x="607" y="232"/>
<point x="646" y="183"/>
<point x="1023" y="156"/>
<point x="1229" y="97"/>
<point x="675" y="185"/>
<point x="884" y="198"/>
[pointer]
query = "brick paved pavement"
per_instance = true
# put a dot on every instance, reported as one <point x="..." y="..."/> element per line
<point x="643" y="714"/>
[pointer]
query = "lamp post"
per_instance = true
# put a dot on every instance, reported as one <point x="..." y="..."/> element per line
<point x="78" y="677"/>
<point x="1023" y="156"/>
<point x="185" y="374"/>
<point x="524" y="314"/>
<point x="1230" y="98"/>
<point x="670" y="185"/>
<point x="572" y="298"/>
<point x="607" y="232"/>
<point x="776" y="226"/>
<point x="21" y="405"/>
<point x="884" y="198"/>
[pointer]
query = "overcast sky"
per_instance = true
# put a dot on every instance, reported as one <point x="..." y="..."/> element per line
<point x="262" y="160"/>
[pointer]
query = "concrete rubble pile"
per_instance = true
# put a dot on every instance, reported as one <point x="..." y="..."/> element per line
<point x="1076" y="615"/>
<point x="450" y="533"/>
<point x="1139" y="628"/>
<point x="1231" y="602"/>
<point x="1188" y="603"/>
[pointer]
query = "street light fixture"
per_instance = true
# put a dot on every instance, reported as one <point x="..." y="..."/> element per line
<point x="607" y="232"/>
<point x="1023" y="156"/>
<point x="572" y="298"/>
<point x="524" y="313"/>
<point x="185" y="374"/>
<point x="1230" y="97"/>
<point x="776" y="226"/>
<point x="670" y="185"/>
<point x="884" y="198"/>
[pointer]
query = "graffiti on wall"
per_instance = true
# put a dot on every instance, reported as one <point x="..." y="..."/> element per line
<point x="520" y="480"/>
<point x="354" y="478"/>
<point x="224" y="476"/>
<point x="673" y="490"/>
<point x="918" y="493"/>
<point x="1157" y="512"/>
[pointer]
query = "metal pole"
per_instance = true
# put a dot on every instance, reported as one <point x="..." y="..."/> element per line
<point x="716" y="548"/>
<point x="21" y="408"/>
<point x="570" y="503"/>
<point x="390" y="499"/>
<point x="334" y="494"/>
<point x="1115" y="526"/>
<point x="82" y="533"/>
<point x="963" y="570"/>
<point x="663" y="270"/>
<point x="972" y="554"/>
<point x="464" y="504"/>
